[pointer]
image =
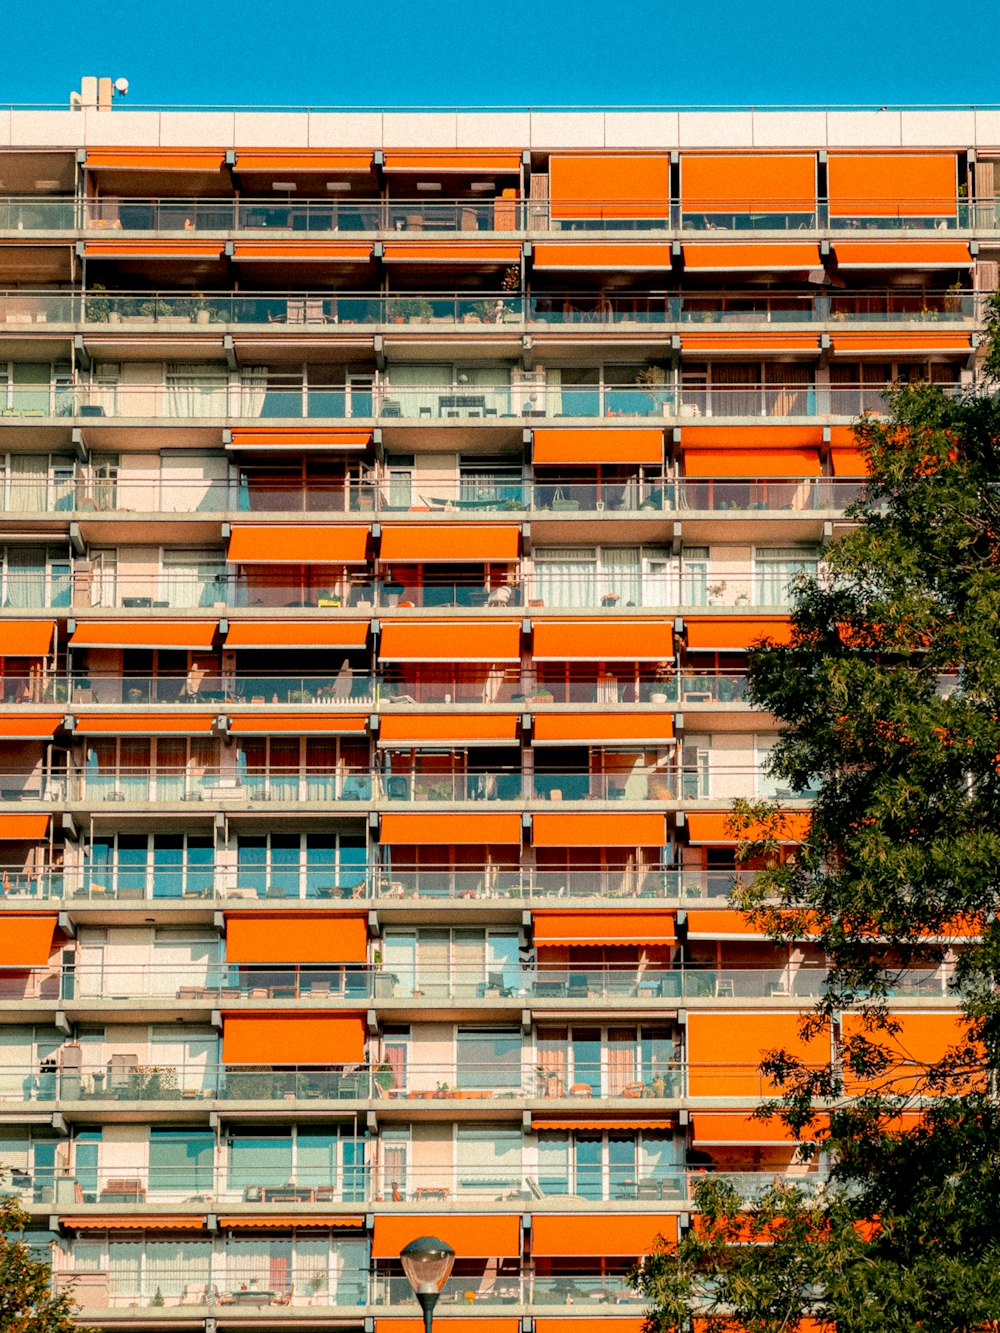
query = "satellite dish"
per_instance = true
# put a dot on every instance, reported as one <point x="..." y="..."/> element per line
<point x="121" y="87"/>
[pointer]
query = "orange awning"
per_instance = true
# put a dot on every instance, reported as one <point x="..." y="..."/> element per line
<point x="283" y="1221"/>
<point x="731" y="634"/>
<point x="922" y="1039"/>
<point x="604" y="927"/>
<point x="296" y="937"/>
<point x="482" y="1324"/>
<point x="418" y="729"/>
<point x="600" y="829"/>
<point x="768" y="342"/>
<point x="28" y="726"/>
<point x="593" y="1235"/>
<point x="26" y="638"/>
<point x="449" y="252"/>
<point x="602" y="728"/>
<point x="725" y="1050"/>
<point x="721" y="925"/>
<point x="338" y="252"/>
<point x="299" y="438"/>
<point x="748" y="183"/>
<point x="735" y="1130"/>
<point x="630" y="1324"/>
<point x="763" y="257"/>
<point x="600" y="444"/>
<point x="471" y="1236"/>
<point x="141" y="249"/>
<point x="642" y="257"/>
<point x="134" y="1222"/>
<point x="298" y="544"/>
<point x="485" y="161"/>
<point x="848" y="462"/>
<point x="570" y="1124"/>
<point x="296" y="161"/>
<point x="440" y="830"/>
<point x="155" y="159"/>
<point x="924" y="340"/>
<point x="194" y="634"/>
<point x="145" y="724"/>
<point x="710" y="826"/>
<point x="293" y="1039"/>
<point x="627" y="185"/>
<point x="27" y="828"/>
<point x="902" y="254"/>
<point x="450" y="641"/>
<point x="755" y="462"/>
<point x="603" y="640"/>
<point x="423" y="543"/>
<point x="26" y="941"/>
<point x="892" y="184"/>
<point x="299" y="724"/>
<point x="298" y="634"/>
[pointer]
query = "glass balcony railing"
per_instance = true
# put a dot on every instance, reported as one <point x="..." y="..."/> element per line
<point x="224" y="216"/>
<point x="209" y="985"/>
<point x="223" y="786"/>
<point x="28" y="498"/>
<point x="181" y="879"/>
<point x="250" y="1288"/>
<point x="135" y="310"/>
<point x="498" y="402"/>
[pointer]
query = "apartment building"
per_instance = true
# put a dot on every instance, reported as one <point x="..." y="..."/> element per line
<point x="387" y="505"/>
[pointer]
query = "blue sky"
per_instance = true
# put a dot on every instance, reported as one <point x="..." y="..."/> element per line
<point x="511" y="52"/>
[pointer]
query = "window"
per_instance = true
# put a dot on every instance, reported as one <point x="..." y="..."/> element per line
<point x="486" y="1058"/>
<point x="444" y="390"/>
<point x="196" y="389"/>
<point x="491" y="481"/>
<point x="181" y="1161"/>
<point x="310" y="1157"/>
<point x="399" y="480"/>
<point x="777" y="567"/>
<point x="452" y="962"/>
<point x="192" y="578"/>
<point x="35" y="576"/>
<point x="488" y="1158"/>
<point x="295" y="865"/>
<point x="613" y="576"/>
<point x="610" y="1166"/>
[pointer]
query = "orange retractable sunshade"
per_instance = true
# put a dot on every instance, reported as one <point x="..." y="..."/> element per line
<point x="847" y="462"/>
<point x="145" y="724"/>
<point x="305" y="438"/>
<point x="735" y="1130"/>
<point x="721" y="925"/>
<point x="725" y="1051"/>
<point x="298" y="634"/>
<point x="130" y="249"/>
<point x="298" y="544"/>
<point x="26" y="941"/>
<point x="451" y="641"/>
<point x="591" y="1235"/>
<point x="748" y="183"/>
<point x="591" y="1124"/>
<point x="423" y="543"/>
<point x="300" y="1221"/>
<point x="27" y="828"/>
<point x="924" y="340"/>
<point x="597" y="445"/>
<point x="632" y="1324"/>
<point x="418" y="729"/>
<point x="892" y="184"/>
<point x="296" y="161"/>
<point x="155" y="159"/>
<point x="589" y="928"/>
<point x="28" y="726"/>
<point x="472" y="1236"/>
<point x="134" y="1222"/>
<point x="767" y="342"/>
<point x="607" y="640"/>
<point x="511" y="1324"/>
<point x="584" y="728"/>
<point x="756" y="462"/>
<point x="26" y="638"/>
<point x="192" y="634"/>
<point x="765" y="257"/>
<point x="902" y="254"/>
<point x="298" y="724"/>
<point x="314" y="252"/>
<point x="735" y="634"/>
<point x="713" y="826"/>
<point x="293" y="1039"/>
<point x="504" y="161"/>
<point x="627" y="185"/>
<point x="598" y="830"/>
<point x="638" y="256"/>
<point x="449" y="252"/>
<point x="296" y="937"/>
<point x="922" y="1039"/>
<point x="440" y="830"/>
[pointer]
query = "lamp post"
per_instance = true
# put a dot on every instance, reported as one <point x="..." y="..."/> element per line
<point x="427" y="1263"/>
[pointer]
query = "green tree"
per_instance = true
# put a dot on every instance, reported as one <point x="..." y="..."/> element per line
<point x="28" y="1303"/>
<point x="889" y="698"/>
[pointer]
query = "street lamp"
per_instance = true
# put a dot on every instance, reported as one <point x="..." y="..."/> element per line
<point x="427" y="1263"/>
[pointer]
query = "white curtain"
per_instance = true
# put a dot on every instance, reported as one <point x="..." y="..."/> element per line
<point x="253" y="388"/>
<point x="28" y="483"/>
<point x="418" y="388"/>
<point x="620" y="575"/>
<point x="776" y="569"/>
<point x="569" y="581"/>
<point x="196" y="390"/>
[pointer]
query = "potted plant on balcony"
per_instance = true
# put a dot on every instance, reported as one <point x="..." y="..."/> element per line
<point x="716" y="593"/>
<point x="384" y="1077"/>
<point x="98" y="307"/>
<point x="410" y="310"/>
